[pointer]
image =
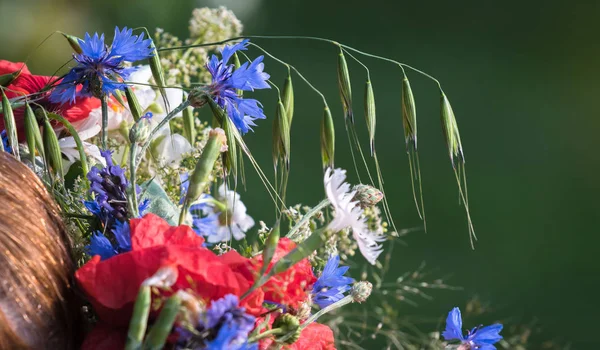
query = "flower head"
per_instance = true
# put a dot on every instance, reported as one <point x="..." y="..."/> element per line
<point x="480" y="338"/>
<point x="100" y="69"/>
<point x="219" y="218"/>
<point x="228" y="321"/>
<point x="332" y="284"/>
<point x="348" y="214"/>
<point x="226" y="81"/>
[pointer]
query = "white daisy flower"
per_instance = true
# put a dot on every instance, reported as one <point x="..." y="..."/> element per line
<point x="220" y="218"/>
<point x="348" y="214"/>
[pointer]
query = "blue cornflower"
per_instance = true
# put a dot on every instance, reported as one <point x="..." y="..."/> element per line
<point x="224" y="340"/>
<point x="100" y="245"/>
<point x="226" y="80"/>
<point x="122" y="235"/>
<point x="5" y="143"/>
<point x="100" y="69"/>
<point x="225" y="325"/>
<point x="480" y="338"/>
<point x="332" y="284"/>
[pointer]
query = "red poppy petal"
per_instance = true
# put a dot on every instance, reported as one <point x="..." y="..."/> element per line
<point x="112" y="285"/>
<point x="289" y="287"/>
<point x="80" y="109"/>
<point x="152" y="230"/>
<point x="7" y="67"/>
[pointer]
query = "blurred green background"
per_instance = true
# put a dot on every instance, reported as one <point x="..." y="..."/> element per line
<point x="523" y="81"/>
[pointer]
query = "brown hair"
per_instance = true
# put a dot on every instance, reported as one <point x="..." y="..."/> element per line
<point x="35" y="264"/>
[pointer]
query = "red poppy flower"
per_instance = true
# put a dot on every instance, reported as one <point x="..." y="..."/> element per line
<point x="112" y="285"/>
<point x="27" y="84"/>
<point x="291" y="287"/>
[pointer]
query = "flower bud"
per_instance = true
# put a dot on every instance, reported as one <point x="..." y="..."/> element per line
<point x="367" y="196"/>
<point x="288" y="323"/>
<point x="361" y="291"/>
<point x="197" y="98"/>
<point x="304" y="309"/>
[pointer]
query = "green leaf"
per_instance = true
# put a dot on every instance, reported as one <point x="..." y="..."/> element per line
<point x="160" y="203"/>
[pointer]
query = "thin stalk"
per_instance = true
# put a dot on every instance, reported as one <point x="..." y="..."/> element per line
<point x="104" y="104"/>
<point x="307" y="217"/>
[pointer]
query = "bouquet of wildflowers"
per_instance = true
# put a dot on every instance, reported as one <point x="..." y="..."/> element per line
<point x="169" y="255"/>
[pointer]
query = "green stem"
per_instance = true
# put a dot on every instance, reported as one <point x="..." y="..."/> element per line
<point x="132" y="200"/>
<point x="306" y="38"/>
<point x="306" y="218"/>
<point x="267" y="333"/>
<point x="104" y="104"/>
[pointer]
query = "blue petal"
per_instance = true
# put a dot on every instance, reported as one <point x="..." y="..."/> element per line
<point x="129" y="47"/>
<point x="487" y="335"/>
<point x="122" y="235"/>
<point x="453" y="326"/>
<point x="250" y="76"/>
<point x="100" y="245"/>
<point x="332" y="284"/>
<point x="229" y="50"/>
<point x="66" y="90"/>
<point x="92" y="47"/>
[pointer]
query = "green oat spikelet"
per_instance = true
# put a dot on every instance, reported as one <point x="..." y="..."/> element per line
<point x="52" y="149"/>
<point x="189" y="124"/>
<point x="344" y="86"/>
<point x="409" y="122"/>
<point x="6" y="79"/>
<point x="134" y="104"/>
<point x="236" y="65"/>
<point x="73" y="42"/>
<point x="10" y="125"/>
<point x="288" y="98"/>
<point x="31" y="126"/>
<point x="230" y="157"/>
<point x="158" y="72"/>
<point x="327" y="139"/>
<point x="78" y="143"/>
<point x="370" y="114"/>
<point x="284" y="133"/>
<point x="455" y="150"/>
<point x="199" y="179"/>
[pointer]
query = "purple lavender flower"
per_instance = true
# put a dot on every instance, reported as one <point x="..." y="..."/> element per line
<point x="226" y="81"/>
<point x="480" y="338"/>
<point x="109" y="186"/>
<point x="100" y="69"/>
<point x="332" y="284"/>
